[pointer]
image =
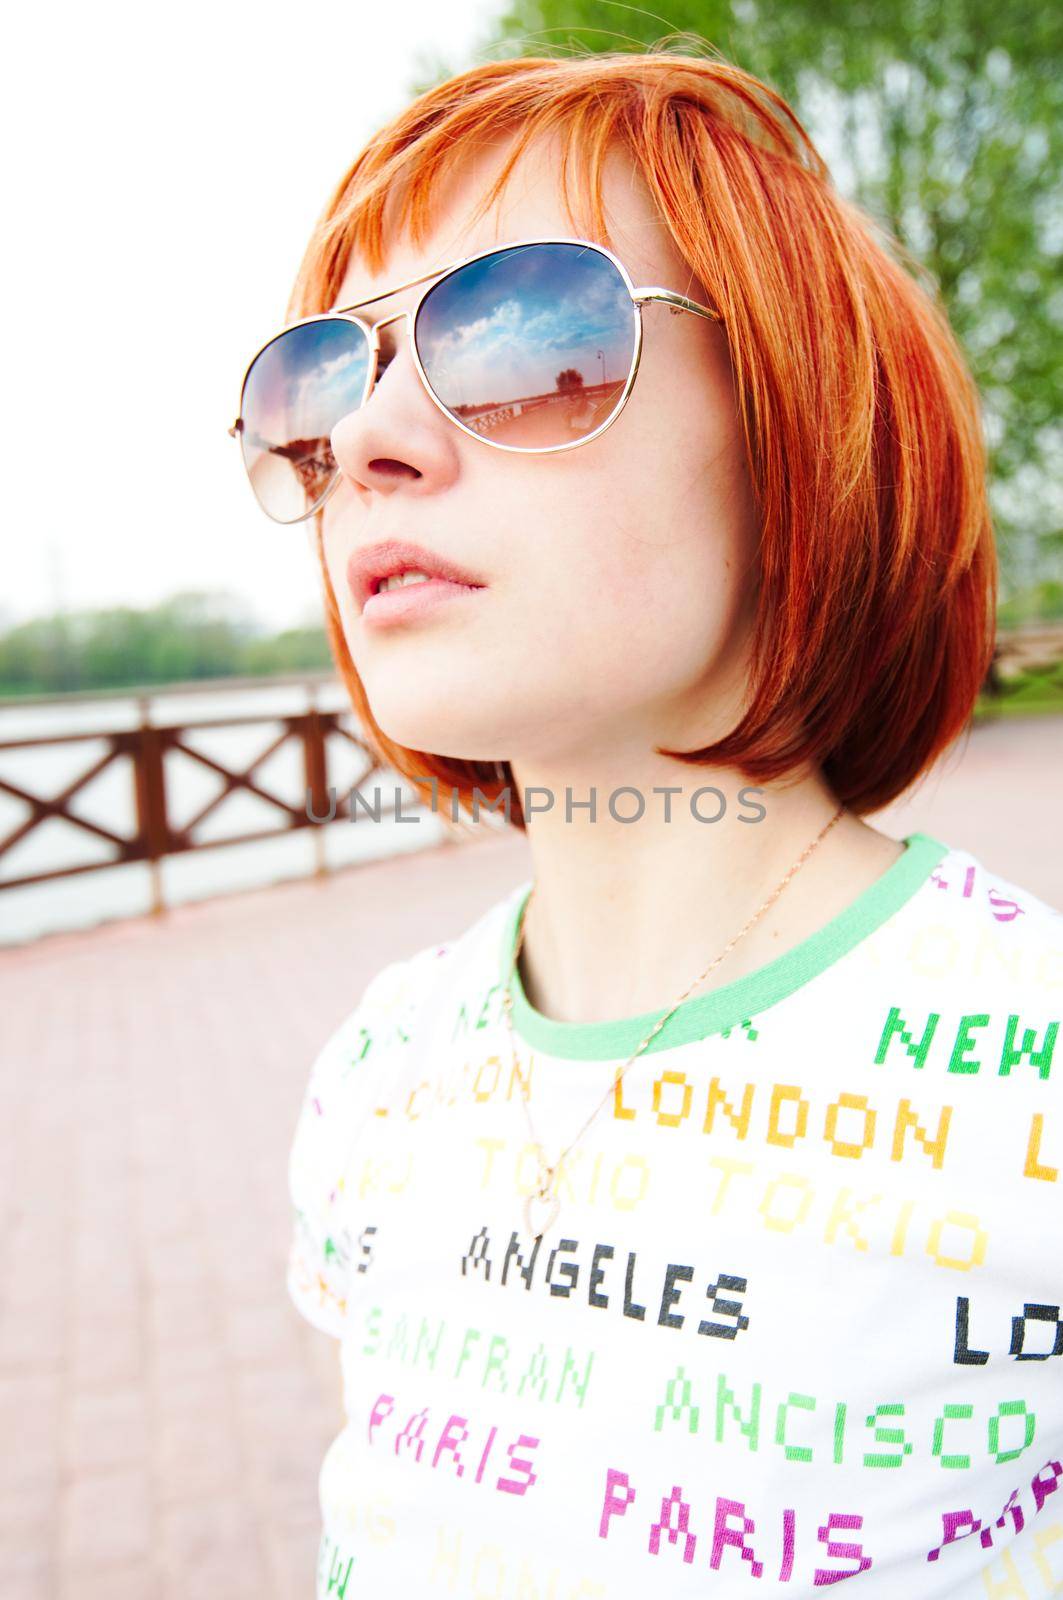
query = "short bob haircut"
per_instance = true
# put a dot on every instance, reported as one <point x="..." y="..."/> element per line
<point x="876" y="610"/>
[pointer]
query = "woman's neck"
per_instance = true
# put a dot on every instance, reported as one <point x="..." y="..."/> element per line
<point x="626" y="915"/>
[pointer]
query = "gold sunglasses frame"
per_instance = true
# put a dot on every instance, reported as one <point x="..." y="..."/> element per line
<point x="675" y="302"/>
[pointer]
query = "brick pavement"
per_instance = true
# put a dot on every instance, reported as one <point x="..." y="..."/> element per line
<point x="163" y="1409"/>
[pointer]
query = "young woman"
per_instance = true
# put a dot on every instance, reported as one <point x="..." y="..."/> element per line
<point x="690" y="1223"/>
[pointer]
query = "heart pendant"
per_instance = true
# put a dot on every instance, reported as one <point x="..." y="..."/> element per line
<point x="553" y="1206"/>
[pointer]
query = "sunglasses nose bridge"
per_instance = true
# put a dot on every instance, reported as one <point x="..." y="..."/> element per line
<point x="385" y="322"/>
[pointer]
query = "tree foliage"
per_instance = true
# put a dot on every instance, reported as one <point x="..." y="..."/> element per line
<point x="944" y="120"/>
<point x="190" y="636"/>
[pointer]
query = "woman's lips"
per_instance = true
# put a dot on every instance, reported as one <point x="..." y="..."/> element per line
<point x="370" y="565"/>
<point x="413" y="600"/>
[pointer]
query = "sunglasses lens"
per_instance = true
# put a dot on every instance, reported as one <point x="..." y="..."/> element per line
<point x="296" y="391"/>
<point x="532" y="346"/>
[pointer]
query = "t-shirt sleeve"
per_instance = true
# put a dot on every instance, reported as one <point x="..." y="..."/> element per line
<point x="333" y="1103"/>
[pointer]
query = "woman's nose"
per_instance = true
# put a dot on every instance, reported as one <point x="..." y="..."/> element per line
<point x="398" y="436"/>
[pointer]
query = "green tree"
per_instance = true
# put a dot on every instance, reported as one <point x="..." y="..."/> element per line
<point x="944" y="120"/>
<point x="192" y="635"/>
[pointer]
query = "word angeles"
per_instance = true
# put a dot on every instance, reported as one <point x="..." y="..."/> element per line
<point x="564" y="1282"/>
<point x="413" y="1437"/>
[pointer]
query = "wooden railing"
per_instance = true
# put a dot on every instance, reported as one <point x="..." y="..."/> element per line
<point x="145" y="746"/>
<point x="1019" y="656"/>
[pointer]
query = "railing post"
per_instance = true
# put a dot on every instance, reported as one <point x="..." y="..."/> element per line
<point x="316" y="777"/>
<point x="152" y="826"/>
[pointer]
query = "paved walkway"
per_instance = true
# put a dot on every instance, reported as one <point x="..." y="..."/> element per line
<point x="163" y="1409"/>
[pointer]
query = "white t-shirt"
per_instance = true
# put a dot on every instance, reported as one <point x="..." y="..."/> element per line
<point x="798" y="1320"/>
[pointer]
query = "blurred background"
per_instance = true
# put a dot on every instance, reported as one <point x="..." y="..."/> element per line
<point x="179" y="935"/>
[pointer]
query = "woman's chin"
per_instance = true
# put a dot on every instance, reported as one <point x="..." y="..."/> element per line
<point x="440" y="735"/>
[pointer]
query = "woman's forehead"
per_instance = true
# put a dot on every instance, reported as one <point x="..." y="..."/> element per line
<point x="530" y="205"/>
<point x="526" y="206"/>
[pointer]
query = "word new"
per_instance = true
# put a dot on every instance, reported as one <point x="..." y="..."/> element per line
<point x="566" y="1282"/>
<point x="1006" y="1053"/>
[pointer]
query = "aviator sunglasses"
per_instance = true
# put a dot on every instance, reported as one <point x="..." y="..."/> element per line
<point x="531" y="347"/>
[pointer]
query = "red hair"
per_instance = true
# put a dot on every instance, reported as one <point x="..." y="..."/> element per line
<point x="876" y="609"/>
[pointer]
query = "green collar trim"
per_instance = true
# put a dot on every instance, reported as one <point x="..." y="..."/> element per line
<point x="735" y="1002"/>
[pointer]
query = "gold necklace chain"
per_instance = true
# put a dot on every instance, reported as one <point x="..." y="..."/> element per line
<point x="547" y="1173"/>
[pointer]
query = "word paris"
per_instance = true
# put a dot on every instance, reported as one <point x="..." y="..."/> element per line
<point x="620" y="804"/>
<point x="717" y="1530"/>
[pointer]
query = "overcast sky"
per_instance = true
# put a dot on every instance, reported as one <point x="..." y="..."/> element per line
<point x="164" y="167"/>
